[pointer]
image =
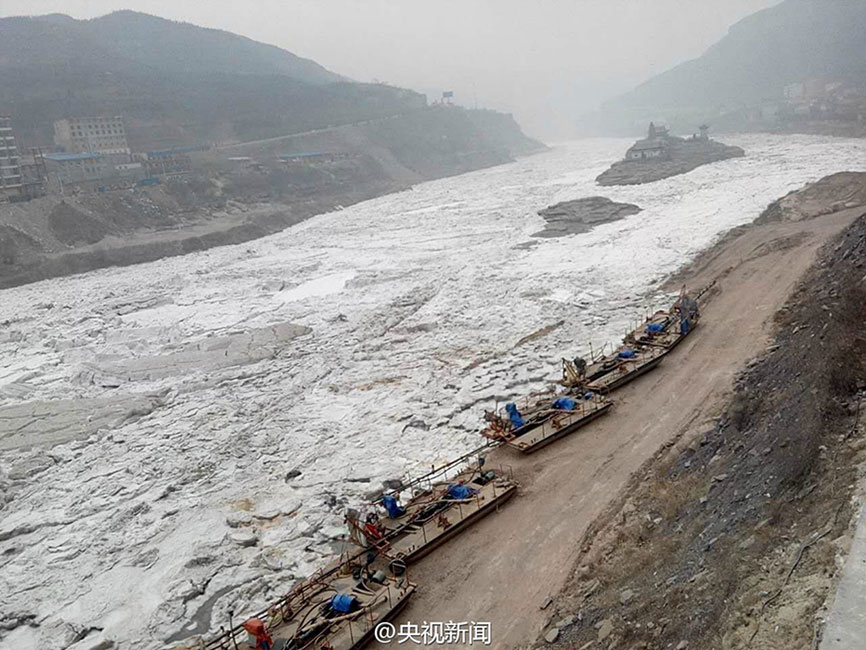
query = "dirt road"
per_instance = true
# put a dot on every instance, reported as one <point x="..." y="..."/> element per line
<point x="504" y="568"/>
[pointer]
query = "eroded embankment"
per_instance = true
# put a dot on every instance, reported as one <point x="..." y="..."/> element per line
<point x="222" y="203"/>
<point x="729" y="539"/>
<point x="55" y="236"/>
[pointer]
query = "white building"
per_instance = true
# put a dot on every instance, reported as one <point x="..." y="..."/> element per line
<point x="105" y="135"/>
<point x="646" y="149"/>
<point x="75" y="167"/>
<point x="10" y="166"/>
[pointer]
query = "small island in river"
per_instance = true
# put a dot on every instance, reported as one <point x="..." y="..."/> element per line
<point x="661" y="155"/>
<point x="582" y="215"/>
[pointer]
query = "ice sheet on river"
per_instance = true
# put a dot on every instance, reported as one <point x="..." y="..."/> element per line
<point x="264" y="386"/>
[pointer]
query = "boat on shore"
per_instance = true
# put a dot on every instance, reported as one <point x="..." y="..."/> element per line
<point x="443" y="503"/>
<point x="337" y="608"/>
<point x="542" y="419"/>
<point x="666" y="328"/>
<point x="608" y="372"/>
<point x="642" y="349"/>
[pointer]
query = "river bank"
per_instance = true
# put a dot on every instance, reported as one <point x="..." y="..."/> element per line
<point x="280" y="381"/>
<point x="249" y="190"/>
<point x="742" y="517"/>
<point x="568" y="486"/>
<point x="739" y="517"/>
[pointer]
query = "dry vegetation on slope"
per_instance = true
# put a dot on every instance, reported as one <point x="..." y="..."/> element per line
<point x="730" y="540"/>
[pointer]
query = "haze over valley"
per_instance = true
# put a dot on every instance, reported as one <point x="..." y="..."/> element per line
<point x="526" y="325"/>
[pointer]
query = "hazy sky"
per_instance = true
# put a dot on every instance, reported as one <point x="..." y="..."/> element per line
<point x="543" y="60"/>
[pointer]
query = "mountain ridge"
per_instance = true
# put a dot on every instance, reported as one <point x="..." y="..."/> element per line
<point x="257" y="125"/>
<point x="176" y="83"/>
<point x="752" y="64"/>
<point x="173" y="47"/>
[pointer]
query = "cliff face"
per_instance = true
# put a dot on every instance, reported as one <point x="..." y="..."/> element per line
<point x="444" y="141"/>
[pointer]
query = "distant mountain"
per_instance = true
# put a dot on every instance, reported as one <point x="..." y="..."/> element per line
<point x="128" y="37"/>
<point x="175" y="82"/>
<point x="762" y="54"/>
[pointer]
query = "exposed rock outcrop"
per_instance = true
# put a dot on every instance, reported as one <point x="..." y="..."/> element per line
<point x="582" y="215"/>
<point x="830" y="194"/>
<point x="682" y="156"/>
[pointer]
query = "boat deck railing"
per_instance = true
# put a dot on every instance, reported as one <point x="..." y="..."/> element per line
<point x="443" y="472"/>
<point x="285" y="608"/>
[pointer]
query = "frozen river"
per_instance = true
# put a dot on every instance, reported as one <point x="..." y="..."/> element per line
<point x="203" y="421"/>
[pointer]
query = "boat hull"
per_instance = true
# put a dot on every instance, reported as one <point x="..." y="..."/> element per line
<point x="528" y="446"/>
<point x="463" y="524"/>
<point x="392" y="613"/>
<point x="626" y="377"/>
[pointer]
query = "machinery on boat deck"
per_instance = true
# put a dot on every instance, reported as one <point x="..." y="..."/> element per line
<point x="666" y="328"/>
<point x="542" y="418"/>
<point x="642" y="349"/>
<point x="608" y="372"/>
<point x="443" y="502"/>
<point x="336" y="608"/>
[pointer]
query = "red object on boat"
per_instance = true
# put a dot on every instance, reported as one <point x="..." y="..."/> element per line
<point x="372" y="531"/>
<point x="256" y="627"/>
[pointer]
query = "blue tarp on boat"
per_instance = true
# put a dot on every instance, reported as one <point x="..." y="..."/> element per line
<point x="564" y="404"/>
<point x="459" y="491"/>
<point x="343" y="603"/>
<point x="394" y="509"/>
<point x="514" y="415"/>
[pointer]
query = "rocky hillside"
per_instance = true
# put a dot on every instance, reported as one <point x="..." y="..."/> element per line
<point x="176" y="83"/>
<point x="122" y="39"/>
<point x="731" y="538"/>
<point x="789" y="43"/>
<point x="179" y="84"/>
